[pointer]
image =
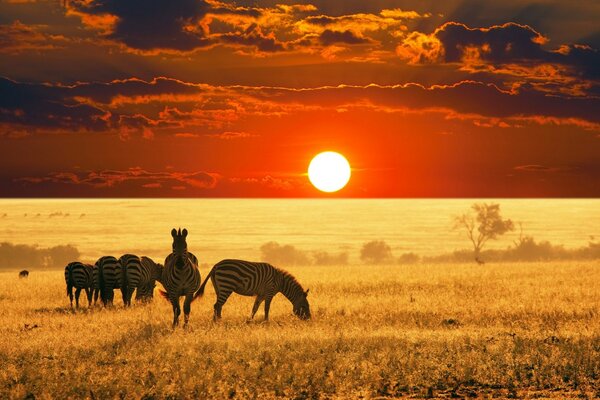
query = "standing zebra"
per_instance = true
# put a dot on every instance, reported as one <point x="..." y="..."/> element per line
<point x="255" y="279"/>
<point x="133" y="276"/>
<point x="154" y="271"/>
<point x="180" y="276"/>
<point x="109" y="273"/>
<point x="79" y="276"/>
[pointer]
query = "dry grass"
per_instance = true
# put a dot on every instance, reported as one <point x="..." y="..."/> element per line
<point x="528" y="330"/>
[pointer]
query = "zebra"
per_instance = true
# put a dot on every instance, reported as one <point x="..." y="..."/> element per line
<point x="24" y="274"/>
<point x="180" y="277"/>
<point x="255" y="279"/>
<point x="154" y="271"/>
<point x="96" y="283"/>
<point x="109" y="273"/>
<point x="79" y="276"/>
<point x="133" y="276"/>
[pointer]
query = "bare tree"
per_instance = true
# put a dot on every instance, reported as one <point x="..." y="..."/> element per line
<point x="376" y="252"/>
<point x="481" y="224"/>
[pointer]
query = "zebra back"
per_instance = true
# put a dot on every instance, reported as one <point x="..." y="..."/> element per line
<point x="79" y="275"/>
<point x="109" y="271"/>
<point x="132" y="273"/>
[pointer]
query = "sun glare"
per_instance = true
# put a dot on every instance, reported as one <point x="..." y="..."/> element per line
<point x="329" y="171"/>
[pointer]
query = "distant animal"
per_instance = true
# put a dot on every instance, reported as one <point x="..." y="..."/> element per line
<point x="479" y="261"/>
<point x="109" y="278"/>
<point x="181" y="276"/>
<point x="255" y="279"/>
<point x="80" y="277"/>
<point x="145" y="292"/>
<point x="132" y="276"/>
<point x="24" y="274"/>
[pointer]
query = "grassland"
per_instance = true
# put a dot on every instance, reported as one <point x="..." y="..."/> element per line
<point x="506" y="330"/>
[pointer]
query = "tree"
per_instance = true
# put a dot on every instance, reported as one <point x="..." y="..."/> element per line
<point x="376" y="252"/>
<point x="483" y="223"/>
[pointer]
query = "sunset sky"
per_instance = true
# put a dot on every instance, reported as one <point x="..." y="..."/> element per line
<point x="194" y="98"/>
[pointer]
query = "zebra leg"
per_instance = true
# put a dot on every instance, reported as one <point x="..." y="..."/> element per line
<point x="70" y="292"/>
<point x="88" y="294"/>
<point x="176" y="311"/>
<point x="259" y="299"/>
<point x="77" y="293"/>
<point x="187" y="308"/>
<point x="222" y="297"/>
<point x="267" y="307"/>
<point x="96" y="293"/>
<point x="110" y="296"/>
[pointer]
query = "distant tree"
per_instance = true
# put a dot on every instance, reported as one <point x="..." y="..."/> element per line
<point x="325" y="258"/>
<point x="409" y="258"/>
<point x="376" y="252"/>
<point x="481" y="224"/>
<point x="277" y="254"/>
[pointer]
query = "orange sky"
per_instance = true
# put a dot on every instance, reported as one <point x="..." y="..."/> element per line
<point x="107" y="98"/>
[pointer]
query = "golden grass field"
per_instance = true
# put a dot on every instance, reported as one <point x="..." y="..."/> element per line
<point x="505" y="330"/>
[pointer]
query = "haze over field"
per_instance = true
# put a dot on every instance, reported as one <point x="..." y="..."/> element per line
<point x="238" y="228"/>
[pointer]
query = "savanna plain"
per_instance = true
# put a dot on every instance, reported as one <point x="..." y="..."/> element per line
<point x="509" y="330"/>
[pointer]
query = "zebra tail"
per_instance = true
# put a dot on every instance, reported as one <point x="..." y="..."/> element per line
<point x="200" y="291"/>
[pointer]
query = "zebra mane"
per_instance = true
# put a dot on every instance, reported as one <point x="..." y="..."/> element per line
<point x="289" y="277"/>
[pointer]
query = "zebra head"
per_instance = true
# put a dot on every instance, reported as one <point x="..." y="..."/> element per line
<point x="179" y="246"/>
<point x="301" y="307"/>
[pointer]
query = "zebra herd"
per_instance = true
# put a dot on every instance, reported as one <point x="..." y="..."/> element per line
<point x="180" y="277"/>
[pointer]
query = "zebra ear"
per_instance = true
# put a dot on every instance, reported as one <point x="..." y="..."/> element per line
<point x="184" y="232"/>
<point x="173" y="233"/>
<point x="306" y="293"/>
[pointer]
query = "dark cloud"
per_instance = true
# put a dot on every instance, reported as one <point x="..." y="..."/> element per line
<point x="137" y="175"/>
<point x="254" y="36"/>
<point x="467" y="97"/>
<point x="329" y="37"/>
<point x="509" y="49"/>
<point x="82" y="106"/>
<point x="45" y="106"/>
<point x="155" y="24"/>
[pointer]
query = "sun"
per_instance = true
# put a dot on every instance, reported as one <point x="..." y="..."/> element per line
<point x="329" y="171"/>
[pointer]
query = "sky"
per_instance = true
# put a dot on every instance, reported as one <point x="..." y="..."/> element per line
<point x="202" y="98"/>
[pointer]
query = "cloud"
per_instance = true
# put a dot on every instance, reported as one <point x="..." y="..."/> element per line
<point x="537" y="168"/>
<point x="230" y="135"/>
<point x="147" y="25"/>
<point x="18" y="38"/>
<point x="509" y="49"/>
<point x="145" y="179"/>
<point x="329" y="37"/>
<point x="135" y="107"/>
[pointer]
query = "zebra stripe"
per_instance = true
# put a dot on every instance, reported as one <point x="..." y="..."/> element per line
<point x="180" y="276"/>
<point x="109" y="272"/>
<point x="133" y="276"/>
<point x="79" y="276"/>
<point x="255" y="279"/>
<point x="154" y="271"/>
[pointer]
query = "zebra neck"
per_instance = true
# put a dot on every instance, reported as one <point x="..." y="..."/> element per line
<point x="290" y="288"/>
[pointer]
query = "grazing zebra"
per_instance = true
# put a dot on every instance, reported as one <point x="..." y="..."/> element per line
<point x="154" y="271"/>
<point x="24" y="274"/>
<point x="109" y="273"/>
<point x="255" y="279"/>
<point x="180" y="276"/>
<point x="133" y="276"/>
<point x="79" y="276"/>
